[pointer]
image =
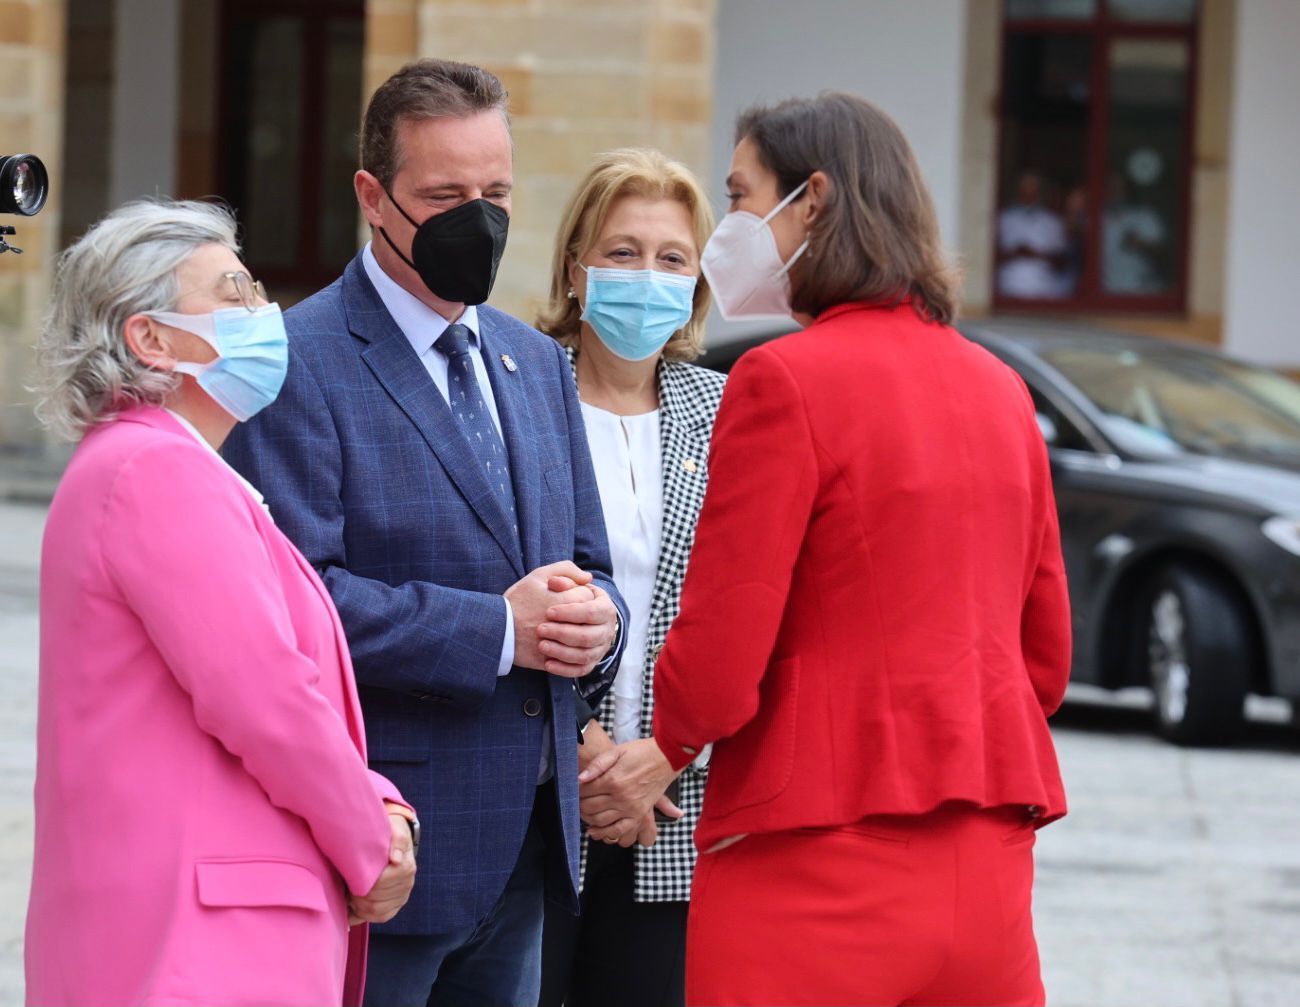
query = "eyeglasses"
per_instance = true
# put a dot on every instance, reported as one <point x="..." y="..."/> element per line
<point x="251" y="292"/>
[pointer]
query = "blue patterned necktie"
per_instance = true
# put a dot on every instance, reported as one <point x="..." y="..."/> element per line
<point x="465" y="398"/>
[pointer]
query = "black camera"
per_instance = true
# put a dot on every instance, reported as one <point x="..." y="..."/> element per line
<point x="24" y="187"/>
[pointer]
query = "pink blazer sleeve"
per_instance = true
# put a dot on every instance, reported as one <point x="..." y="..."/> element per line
<point x="387" y="790"/>
<point x="183" y="549"/>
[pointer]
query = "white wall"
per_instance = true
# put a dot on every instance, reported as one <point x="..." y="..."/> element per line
<point x="908" y="56"/>
<point x="146" y="99"/>
<point x="1262" y="310"/>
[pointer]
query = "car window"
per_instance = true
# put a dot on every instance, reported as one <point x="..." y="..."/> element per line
<point x="1180" y="401"/>
<point x="1068" y="435"/>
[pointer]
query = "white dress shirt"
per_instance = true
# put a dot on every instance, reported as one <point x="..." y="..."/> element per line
<point x="422" y="326"/>
<point x="628" y="459"/>
<point x="1040" y="229"/>
<point x="1127" y="270"/>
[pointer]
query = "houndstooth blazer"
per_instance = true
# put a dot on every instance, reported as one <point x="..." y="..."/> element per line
<point x="688" y="402"/>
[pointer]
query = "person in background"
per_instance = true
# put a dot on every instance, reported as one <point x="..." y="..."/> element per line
<point x="1032" y="245"/>
<point x="874" y="625"/>
<point x="206" y="826"/>
<point x="627" y="304"/>
<point x="428" y="455"/>
<point x="1133" y="241"/>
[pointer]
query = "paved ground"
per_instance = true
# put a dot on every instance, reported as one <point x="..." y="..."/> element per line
<point x="1174" y="882"/>
<point x="20" y="533"/>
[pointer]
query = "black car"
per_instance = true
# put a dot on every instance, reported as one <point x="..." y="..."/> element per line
<point x="1177" y="474"/>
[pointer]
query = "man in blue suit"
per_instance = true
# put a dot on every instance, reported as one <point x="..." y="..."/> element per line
<point x="427" y="455"/>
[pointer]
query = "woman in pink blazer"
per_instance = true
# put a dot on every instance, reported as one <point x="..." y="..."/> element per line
<point x="207" y="831"/>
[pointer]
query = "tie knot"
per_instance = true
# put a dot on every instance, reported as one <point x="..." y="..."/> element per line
<point x="454" y="341"/>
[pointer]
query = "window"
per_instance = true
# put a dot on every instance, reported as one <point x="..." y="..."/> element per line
<point x="1068" y="435"/>
<point x="289" y="117"/>
<point x="1094" y="162"/>
<point x="1168" y="401"/>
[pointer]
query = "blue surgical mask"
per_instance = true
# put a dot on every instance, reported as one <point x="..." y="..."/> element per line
<point x="636" y="311"/>
<point x="252" y="356"/>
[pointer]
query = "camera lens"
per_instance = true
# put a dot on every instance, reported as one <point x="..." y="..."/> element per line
<point x="24" y="184"/>
<point x="25" y="190"/>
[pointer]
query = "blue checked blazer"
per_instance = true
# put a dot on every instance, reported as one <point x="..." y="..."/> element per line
<point x="364" y="468"/>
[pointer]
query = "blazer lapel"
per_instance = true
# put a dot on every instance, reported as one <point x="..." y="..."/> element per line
<point x="397" y="367"/>
<point x="684" y="441"/>
<point x="509" y="388"/>
<point x="685" y="427"/>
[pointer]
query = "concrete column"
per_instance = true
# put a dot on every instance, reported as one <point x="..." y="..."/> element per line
<point x="979" y="175"/>
<point x="1263" y="269"/>
<point x="146" y="99"/>
<point x="908" y="56"/>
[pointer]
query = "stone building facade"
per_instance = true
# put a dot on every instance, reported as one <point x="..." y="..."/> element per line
<point x="33" y="40"/>
<point x="583" y="77"/>
<point x="257" y="101"/>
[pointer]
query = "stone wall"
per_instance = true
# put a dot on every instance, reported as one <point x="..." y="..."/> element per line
<point x="582" y="77"/>
<point x="32" y="38"/>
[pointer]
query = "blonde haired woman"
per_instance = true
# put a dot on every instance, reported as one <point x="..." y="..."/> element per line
<point x="628" y="302"/>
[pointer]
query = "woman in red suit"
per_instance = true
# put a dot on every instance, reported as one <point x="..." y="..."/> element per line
<point x="874" y="624"/>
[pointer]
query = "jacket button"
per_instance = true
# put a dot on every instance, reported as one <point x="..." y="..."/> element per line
<point x="532" y="707"/>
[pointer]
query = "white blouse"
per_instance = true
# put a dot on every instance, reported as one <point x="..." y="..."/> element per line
<point x="628" y="459"/>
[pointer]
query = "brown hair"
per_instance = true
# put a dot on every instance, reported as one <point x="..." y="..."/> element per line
<point x="629" y="171"/>
<point x="425" y="89"/>
<point x="876" y="238"/>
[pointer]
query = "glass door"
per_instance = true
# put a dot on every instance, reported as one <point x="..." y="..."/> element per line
<point x="290" y="113"/>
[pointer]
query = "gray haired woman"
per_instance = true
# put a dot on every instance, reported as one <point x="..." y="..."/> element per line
<point x="206" y="826"/>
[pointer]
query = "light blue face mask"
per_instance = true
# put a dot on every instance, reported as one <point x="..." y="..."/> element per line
<point x="252" y="356"/>
<point x="636" y="311"/>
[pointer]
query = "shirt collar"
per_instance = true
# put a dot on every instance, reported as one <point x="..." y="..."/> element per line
<point x="419" y="323"/>
<point x="192" y="430"/>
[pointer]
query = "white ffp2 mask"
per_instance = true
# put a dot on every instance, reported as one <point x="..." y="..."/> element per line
<point x="744" y="268"/>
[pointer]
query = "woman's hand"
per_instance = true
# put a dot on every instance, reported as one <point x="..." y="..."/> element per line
<point x="393" y="888"/>
<point x="620" y="788"/>
<point x="595" y="741"/>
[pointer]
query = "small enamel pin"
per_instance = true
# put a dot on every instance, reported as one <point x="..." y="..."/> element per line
<point x="690" y="466"/>
<point x="509" y="361"/>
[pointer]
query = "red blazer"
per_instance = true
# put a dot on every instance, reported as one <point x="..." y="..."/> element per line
<point x="874" y="618"/>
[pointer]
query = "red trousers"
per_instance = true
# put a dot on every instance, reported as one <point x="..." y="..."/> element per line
<point x="929" y="909"/>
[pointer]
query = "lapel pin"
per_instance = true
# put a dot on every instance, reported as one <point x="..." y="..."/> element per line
<point x="509" y="361"/>
<point x="690" y="466"/>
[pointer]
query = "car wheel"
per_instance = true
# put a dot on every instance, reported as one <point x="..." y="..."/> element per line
<point x="1198" y="656"/>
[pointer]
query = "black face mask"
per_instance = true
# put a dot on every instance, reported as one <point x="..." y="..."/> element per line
<point x="457" y="253"/>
